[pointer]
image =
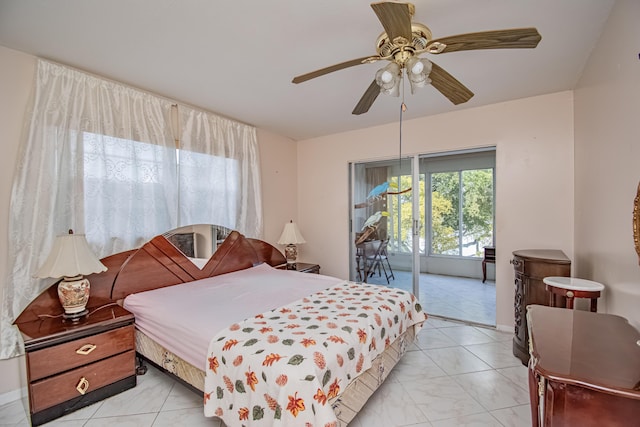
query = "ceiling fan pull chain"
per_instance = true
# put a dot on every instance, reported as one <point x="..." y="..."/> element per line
<point x="403" y="108"/>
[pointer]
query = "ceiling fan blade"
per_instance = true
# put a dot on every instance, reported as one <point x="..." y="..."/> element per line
<point x="517" y="38"/>
<point x="395" y="18"/>
<point x="332" y="68"/>
<point x="446" y="84"/>
<point x="367" y="99"/>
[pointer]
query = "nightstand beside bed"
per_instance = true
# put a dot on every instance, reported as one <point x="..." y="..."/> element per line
<point x="71" y="365"/>
<point x="302" y="267"/>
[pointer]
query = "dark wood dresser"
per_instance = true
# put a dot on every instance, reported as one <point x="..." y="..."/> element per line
<point x="584" y="369"/>
<point x="530" y="267"/>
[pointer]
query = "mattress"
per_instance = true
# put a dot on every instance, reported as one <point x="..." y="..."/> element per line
<point x="184" y="318"/>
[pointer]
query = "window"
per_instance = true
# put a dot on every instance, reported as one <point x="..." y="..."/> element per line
<point x="461" y="212"/>
<point x="100" y="158"/>
<point x="124" y="181"/>
<point x="205" y="180"/>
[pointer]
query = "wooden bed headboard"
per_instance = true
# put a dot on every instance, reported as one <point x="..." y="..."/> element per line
<point x="158" y="263"/>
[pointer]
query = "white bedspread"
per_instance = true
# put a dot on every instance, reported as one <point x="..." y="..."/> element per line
<point x="184" y="318"/>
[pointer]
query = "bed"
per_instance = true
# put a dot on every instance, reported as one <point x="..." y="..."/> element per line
<point x="293" y="349"/>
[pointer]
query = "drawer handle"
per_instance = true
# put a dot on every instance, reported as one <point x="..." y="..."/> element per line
<point x="83" y="385"/>
<point x="86" y="349"/>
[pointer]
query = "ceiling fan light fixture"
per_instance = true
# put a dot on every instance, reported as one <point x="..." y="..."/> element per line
<point x="418" y="71"/>
<point x="388" y="78"/>
<point x="401" y="43"/>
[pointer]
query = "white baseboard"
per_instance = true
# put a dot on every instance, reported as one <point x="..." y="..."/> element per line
<point x="505" y="328"/>
<point x="12" y="396"/>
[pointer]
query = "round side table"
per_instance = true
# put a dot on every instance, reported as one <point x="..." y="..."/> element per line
<point x="571" y="287"/>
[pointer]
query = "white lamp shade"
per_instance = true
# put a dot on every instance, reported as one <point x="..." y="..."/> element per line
<point x="291" y="235"/>
<point x="69" y="257"/>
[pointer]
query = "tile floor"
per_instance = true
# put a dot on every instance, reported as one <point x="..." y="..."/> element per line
<point x="454" y="375"/>
<point x="458" y="298"/>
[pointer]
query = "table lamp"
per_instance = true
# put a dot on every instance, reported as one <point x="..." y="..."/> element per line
<point x="291" y="237"/>
<point x="71" y="258"/>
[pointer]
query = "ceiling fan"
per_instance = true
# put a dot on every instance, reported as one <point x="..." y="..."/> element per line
<point x="401" y="43"/>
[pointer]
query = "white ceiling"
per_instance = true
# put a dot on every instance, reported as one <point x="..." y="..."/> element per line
<point x="237" y="58"/>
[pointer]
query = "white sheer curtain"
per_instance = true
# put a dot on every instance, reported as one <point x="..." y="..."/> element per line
<point x="96" y="157"/>
<point x="219" y="172"/>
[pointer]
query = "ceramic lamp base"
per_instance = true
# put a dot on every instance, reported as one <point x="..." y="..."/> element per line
<point x="73" y="293"/>
<point x="75" y="316"/>
<point x="291" y="254"/>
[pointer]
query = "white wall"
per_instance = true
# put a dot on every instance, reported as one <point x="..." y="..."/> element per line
<point x="278" y="175"/>
<point x="278" y="163"/>
<point x="534" y="174"/>
<point x="607" y="157"/>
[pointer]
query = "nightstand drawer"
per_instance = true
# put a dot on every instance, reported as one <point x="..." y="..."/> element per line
<point x="61" y="358"/>
<point x="60" y="388"/>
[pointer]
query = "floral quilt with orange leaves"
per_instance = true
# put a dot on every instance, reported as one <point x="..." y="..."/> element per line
<point x="280" y="368"/>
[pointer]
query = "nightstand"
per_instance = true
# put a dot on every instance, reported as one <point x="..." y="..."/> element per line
<point x="71" y="365"/>
<point x="302" y="267"/>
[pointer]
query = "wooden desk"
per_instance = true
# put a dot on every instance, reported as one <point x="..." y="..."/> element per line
<point x="489" y="257"/>
<point x="584" y="368"/>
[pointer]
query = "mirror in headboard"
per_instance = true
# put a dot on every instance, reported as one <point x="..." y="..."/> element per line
<point x="198" y="242"/>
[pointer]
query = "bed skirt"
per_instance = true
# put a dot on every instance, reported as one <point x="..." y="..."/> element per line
<point x="346" y="405"/>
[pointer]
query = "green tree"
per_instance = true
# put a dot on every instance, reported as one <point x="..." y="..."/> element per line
<point x="476" y="205"/>
<point x="402" y="209"/>
<point x="447" y="186"/>
<point x="477" y="210"/>
<point x="444" y="237"/>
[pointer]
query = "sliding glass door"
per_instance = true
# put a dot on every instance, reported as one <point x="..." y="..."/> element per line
<point x="384" y="233"/>
<point x="421" y="224"/>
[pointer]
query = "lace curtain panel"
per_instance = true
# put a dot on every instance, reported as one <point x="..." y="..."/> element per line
<point x="100" y="158"/>
<point x="226" y="173"/>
